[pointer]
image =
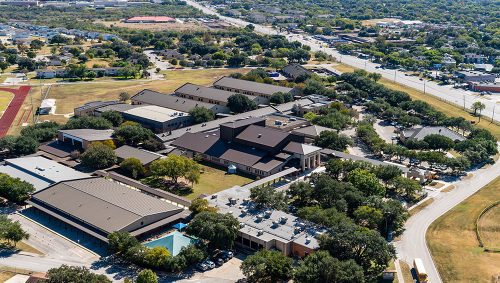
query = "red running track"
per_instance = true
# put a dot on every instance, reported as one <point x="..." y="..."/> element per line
<point x="10" y="113"/>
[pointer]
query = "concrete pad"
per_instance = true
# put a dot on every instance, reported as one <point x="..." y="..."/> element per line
<point x="18" y="278"/>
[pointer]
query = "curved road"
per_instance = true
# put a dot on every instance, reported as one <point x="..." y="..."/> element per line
<point x="412" y="243"/>
<point x="456" y="96"/>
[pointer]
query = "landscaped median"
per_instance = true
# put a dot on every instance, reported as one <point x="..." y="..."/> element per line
<point x="453" y="243"/>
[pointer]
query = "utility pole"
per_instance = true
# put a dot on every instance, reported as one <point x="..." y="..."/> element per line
<point x="424" y="85"/>
<point x="395" y="75"/>
<point x="464" y="101"/>
<point x="493" y="115"/>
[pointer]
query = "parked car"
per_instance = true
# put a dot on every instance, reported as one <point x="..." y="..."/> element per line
<point x="210" y="264"/>
<point x="202" y="266"/>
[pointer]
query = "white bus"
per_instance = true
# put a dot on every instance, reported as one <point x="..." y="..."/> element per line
<point x="420" y="270"/>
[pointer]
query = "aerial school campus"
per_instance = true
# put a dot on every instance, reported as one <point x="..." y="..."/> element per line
<point x="206" y="142"/>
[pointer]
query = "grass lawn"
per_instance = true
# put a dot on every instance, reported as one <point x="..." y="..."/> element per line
<point x="446" y="108"/>
<point x="5" y="98"/>
<point x="453" y="244"/>
<point x="215" y="179"/>
<point x="406" y="272"/>
<point x="489" y="227"/>
<point x="421" y="206"/>
<point x="5" y="275"/>
<point x="22" y="246"/>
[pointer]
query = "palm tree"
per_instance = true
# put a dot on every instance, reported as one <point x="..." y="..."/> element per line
<point x="478" y="106"/>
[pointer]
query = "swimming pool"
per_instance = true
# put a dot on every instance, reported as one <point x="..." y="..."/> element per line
<point x="173" y="242"/>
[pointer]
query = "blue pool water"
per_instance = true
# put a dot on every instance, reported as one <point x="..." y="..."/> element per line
<point x="173" y="242"/>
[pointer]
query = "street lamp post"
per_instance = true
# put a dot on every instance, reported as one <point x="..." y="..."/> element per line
<point x="424" y="85"/>
<point x="395" y="71"/>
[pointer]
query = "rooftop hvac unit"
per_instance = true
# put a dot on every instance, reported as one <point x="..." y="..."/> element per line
<point x="308" y="240"/>
<point x="214" y="196"/>
<point x="276" y="223"/>
<point x="260" y="232"/>
<point x="296" y="230"/>
<point x="268" y="213"/>
<point x="242" y="225"/>
<point x="232" y="201"/>
<point x="243" y="212"/>
<point x="283" y="220"/>
<point x="246" y="200"/>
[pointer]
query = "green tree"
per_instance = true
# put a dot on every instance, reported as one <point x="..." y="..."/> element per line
<point x="268" y="197"/>
<point x="121" y="242"/>
<point x="74" y="274"/>
<point x="98" y="156"/>
<point x="201" y="115"/>
<point x="267" y="266"/>
<point x="113" y="116"/>
<point x="199" y="205"/>
<point x="368" y="216"/>
<point x="175" y="166"/>
<point x="301" y="193"/>
<point x="332" y="140"/>
<point x="124" y="96"/>
<point x="14" y="189"/>
<point x="88" y="122"/>
<point x="24" y="145"/>
<point x="366" y="182"/>
<point x="156" y="257"/>
<point x="436" y="141"/>
<point x="322" y="267"/>
<point x="478" y="105"/>
<point x="147" y="276"/>
<point x="133" y="167"/>
<point x="132" y="134"/>
<point x="218" y="229"/>
<point x="239" y="103"/>
<point x="11" y="231"/>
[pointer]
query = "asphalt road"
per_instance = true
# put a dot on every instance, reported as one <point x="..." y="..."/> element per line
<point x="459" y="97"/>
<point x="412" y="243"/>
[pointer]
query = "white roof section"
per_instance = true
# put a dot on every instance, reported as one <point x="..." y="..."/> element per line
<point x="89" y="134"/>
<point x="156" y="113"/>
<point x="265" y="224"/>
<point x="40" y="171"/>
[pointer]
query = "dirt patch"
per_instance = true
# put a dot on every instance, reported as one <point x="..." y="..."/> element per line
<point x="406" y="272"/>
<point x="448" y="189"/>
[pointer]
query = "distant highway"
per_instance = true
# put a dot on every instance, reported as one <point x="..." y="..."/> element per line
<point x="458" y="97"/>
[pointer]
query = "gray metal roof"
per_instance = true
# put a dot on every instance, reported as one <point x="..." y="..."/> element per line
<point x="40" y="171"/>
<point x="245" y="85"/>
<point x="116" y="107"/>
<point x="155" y="113"/>
<point x="207" y="92"/>
<point x="421" y="133"/>
<point x="144" y="156"/>
<point x="104" y="204"/>
<point x="311" y="131"/>
<point x="174" y="102"/>
<point x="89" y="134"/>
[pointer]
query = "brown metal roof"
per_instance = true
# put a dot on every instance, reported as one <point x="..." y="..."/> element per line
<point x="262" y="135"/>
<point x="103" y="204"/>
<point x="267" y="164"/>
<point x="243" y="122"/>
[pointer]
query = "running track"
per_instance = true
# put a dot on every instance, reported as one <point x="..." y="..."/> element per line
<point x="10" y="113"/>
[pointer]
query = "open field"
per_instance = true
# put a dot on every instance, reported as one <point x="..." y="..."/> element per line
<point x="453" y="244"/>
<point x="215" y="179"/>
<point x="446" y="108"/>
<point x="373" y="22"/>
<point x="154" y="27"/>
<point x="5" y="98"/>
<point x="70" y="95"/>
<point x="489" y="227"/>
